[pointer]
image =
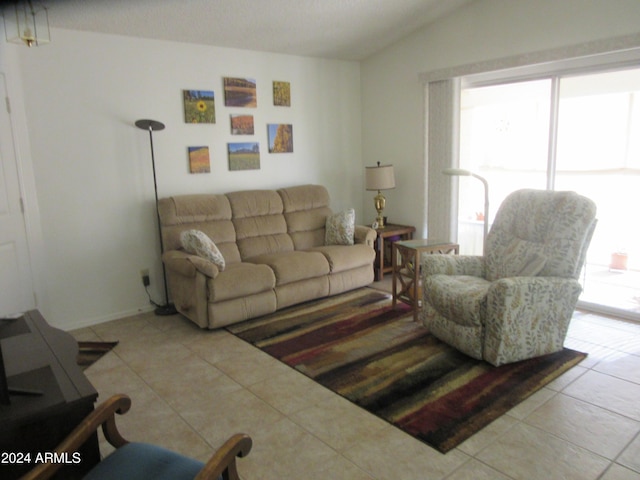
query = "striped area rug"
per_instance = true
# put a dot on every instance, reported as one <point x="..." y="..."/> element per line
<point x="378" y="358"/>
<point x="91" y="352"/>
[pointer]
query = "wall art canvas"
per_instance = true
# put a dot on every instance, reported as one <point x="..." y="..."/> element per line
<point x="240" y="92"/>
<point x="241" y="124"/>
<point x="280" y="138"/>
<point x="282" y="94"/>
<point x="199" y="160"/>
<point x="199" y="106"/>
<point x="244" y="156"/>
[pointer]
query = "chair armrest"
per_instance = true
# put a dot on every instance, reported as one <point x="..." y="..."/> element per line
<point x="224" y="459"/>
<point x="103" y="415"/>
<point x="516" y="327"/>
<point x="434" y="264"/>
<point x="364" y="234"/>
<point x="186" y="264"/>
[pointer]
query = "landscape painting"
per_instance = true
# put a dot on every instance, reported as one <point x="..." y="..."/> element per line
<point x="241" y="124"/>
<point x="282" y="94"/>
<point x="199" y="106"/>
<point x="244" y="156"/>
<point x="199" y="160"/>
<point x="280" y="138"/>
<point x="240" y="92"/>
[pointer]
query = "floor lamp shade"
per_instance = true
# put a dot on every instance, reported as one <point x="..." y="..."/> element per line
<point x="380" y="177"/>
<point x="153" y="126"/>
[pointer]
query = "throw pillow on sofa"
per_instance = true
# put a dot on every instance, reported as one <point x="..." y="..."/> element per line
<point x="198" y="243"/>
<point x="340" y="228"/>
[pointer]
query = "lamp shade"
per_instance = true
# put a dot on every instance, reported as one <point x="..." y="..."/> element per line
<point x="380" y="177"/>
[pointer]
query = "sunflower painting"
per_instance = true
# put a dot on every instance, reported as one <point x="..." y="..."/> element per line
<point x="199" y="106"/>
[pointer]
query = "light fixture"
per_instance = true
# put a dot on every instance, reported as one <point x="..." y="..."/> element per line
<point x="379" y="178"/>
<point x="26" y="23"/>
<point x="461" y="172"/>
<point x="151" y="126"/>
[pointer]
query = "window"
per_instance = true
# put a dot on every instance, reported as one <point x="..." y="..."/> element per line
<point x="564" y="132"/>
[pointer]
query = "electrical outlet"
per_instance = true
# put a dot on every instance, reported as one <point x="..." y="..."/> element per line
<point x="144" y="274"/>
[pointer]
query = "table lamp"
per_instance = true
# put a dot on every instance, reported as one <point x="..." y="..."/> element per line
<point x="379" y="178"/>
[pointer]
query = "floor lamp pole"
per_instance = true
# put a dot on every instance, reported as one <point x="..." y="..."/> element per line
<point x="460" y="172"/>
<point x="151" y="126"/>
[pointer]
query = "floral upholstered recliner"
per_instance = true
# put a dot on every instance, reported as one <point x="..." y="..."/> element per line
<point x="515" y="302"/>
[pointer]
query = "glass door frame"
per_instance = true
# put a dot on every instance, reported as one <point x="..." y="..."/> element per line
<point x="555" y="78"/>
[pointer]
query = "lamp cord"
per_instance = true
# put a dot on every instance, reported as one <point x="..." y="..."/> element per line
<point x="146" y="289"/>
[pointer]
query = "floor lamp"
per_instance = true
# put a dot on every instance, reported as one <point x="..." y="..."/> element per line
<point x="151" y="126"/>
<point x="460" y="172"/>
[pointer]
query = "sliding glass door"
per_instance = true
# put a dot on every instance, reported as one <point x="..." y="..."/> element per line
<point x="578" y="132"/>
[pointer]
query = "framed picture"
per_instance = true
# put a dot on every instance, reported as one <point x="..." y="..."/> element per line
<point x="199" y="106"/>
<point x="199" y="160"/>
<point x="282" y="94"/>
<point x="244" y="156"/>
<point x="240" y="92"/>
<point x="280" y="137"/>
<point x="241" y="124"/>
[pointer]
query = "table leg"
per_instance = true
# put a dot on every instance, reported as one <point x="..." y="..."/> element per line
<point x="417" y="291"/>
<point x="394" y="254"/>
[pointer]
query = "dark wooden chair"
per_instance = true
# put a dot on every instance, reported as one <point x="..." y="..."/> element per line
<point x="132" y="460"/>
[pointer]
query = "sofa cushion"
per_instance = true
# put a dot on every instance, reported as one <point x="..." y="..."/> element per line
<point x="460" y="298"/>
<point x="241" y="280"/>
<point x="306" y="208"/>
<point x="259" y="223"/>
<point x="208" y="213"/>
<point x="340" y="228"/>
<point x="342" y="258"/>
<point x="294" y="266"/>
<point x="198" y="243"/>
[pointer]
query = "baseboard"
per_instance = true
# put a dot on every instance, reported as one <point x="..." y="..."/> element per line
<point x="90" y="322"/>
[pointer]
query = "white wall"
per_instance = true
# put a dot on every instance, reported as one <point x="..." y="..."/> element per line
<point x="393" y="97"/>
<point x="82" y="94"/>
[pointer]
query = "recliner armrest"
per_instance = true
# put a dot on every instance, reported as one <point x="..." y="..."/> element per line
<point x="434" y="264"/>
<point x="364" y="234"/>
<point x="186" y="264"/>
<point x="527" y="317"/>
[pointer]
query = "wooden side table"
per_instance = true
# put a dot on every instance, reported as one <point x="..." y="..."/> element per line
<point x="405" y="259"/>
<point x="387" y="235"/>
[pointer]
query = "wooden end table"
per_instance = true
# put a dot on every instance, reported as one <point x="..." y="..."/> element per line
<point x="405" y="258"/>
<point x="390" y="234"/>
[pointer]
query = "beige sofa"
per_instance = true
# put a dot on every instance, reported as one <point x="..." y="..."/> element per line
<point x="273" y="244"/>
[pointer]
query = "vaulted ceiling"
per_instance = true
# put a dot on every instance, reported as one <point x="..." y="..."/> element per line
<point x="337" y="29"/>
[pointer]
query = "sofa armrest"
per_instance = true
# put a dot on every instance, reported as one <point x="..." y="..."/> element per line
<point x="434" y="264"/>
<point x="366" y="235"/>
<point x="528" y="316"/>
<point x="186" y="264"/>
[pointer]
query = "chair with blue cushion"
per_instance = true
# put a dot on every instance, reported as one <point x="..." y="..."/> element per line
<point x="133" y="460"/>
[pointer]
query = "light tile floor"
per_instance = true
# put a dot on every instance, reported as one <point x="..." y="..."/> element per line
<point x="191" y="389"/>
